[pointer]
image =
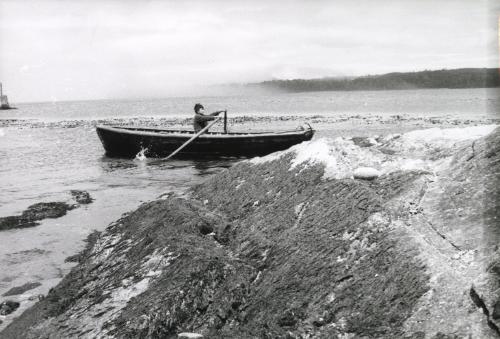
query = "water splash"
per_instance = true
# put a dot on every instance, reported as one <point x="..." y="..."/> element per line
<point x="141" y="156"/>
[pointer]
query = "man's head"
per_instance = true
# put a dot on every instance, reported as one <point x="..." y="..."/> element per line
<point x="198" y="108"/>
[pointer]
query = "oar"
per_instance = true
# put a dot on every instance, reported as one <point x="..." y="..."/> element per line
<point x="192" y="138"/>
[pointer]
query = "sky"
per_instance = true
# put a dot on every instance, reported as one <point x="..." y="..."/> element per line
<point x="88" y="49"/>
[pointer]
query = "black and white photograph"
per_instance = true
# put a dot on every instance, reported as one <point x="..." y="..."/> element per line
<point x="284" y="169"/>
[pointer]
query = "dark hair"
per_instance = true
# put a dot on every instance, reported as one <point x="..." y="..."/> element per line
<point x="197" y="107"/>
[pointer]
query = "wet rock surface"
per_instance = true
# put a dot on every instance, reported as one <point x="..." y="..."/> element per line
<point x="21" y="289"/>
<point x="7" y="307"/>
<point x="81" y="197"/>
<point x="43" y="210"/>
<point x="35" y="213"/>
<point x="273" y="250"/>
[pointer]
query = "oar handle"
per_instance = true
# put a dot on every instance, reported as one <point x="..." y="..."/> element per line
<point x="192" y="138"/>
<point x="225" y="122"/>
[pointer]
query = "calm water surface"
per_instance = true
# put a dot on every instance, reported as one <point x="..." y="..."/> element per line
<point x="432" y="102"/>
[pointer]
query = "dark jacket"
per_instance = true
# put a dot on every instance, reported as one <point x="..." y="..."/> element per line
<point x="200" y="120"/>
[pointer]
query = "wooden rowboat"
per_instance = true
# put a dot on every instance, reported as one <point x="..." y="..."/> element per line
<point x="128" y="141"/>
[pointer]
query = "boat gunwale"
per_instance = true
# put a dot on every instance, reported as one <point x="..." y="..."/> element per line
<point x="132" y="130"/>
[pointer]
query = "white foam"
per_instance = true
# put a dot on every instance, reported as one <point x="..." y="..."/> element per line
<point x="341" y="156"/>
<point x="318" y="151"/>
<point x="452" y="134"/>
<point x="141" y="156"/>
<point x="428" y="143"/>
<point x="336" y="155"/>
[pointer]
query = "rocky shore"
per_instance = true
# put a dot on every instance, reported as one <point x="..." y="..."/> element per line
<point x="293" y="246"/>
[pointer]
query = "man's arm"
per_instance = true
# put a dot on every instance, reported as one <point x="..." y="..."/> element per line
<point x="216" y="113"/>
<point x="201" y="117"/>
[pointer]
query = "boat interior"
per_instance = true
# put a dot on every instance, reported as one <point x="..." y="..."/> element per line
<point x="157" y="130"/>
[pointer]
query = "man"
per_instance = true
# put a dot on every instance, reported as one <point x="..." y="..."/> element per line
<point x="200" y="119"/>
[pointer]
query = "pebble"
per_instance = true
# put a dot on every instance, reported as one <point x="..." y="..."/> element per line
<point x="189" y="335"/>
<point x="366" y="173"/>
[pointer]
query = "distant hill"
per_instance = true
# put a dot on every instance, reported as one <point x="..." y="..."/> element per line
<point x="454" y="78"/>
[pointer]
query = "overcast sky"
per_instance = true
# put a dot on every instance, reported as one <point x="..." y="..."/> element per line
<point x="66" y="50"/>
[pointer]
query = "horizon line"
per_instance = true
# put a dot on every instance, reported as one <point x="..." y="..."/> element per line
<point x="242" y="84"/>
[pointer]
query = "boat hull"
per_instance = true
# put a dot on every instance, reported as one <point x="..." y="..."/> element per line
<point x="129" y="141"/>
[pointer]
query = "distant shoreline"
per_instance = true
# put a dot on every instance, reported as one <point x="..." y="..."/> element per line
<point x="462" y="78"/>
<point x="203" y="97"/>
<point x="447" y="79"/>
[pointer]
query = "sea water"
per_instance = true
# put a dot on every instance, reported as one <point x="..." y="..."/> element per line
<point x="48" y="149"/>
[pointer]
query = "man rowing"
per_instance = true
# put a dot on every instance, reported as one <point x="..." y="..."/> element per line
<point x="200" y="119"/>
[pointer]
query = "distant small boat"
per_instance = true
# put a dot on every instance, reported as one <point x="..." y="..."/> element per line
<point x="4" y="101"/>
<point x="128" y="141"/>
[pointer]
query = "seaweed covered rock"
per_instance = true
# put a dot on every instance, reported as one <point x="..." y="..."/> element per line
<point x="21" y="289"/>
<point x="7" y="307"/>
<point x="291" y="246"/>
<point x="35" y="213"/>
<point x="43" y="210"/>
<point x="81" y="197"/>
